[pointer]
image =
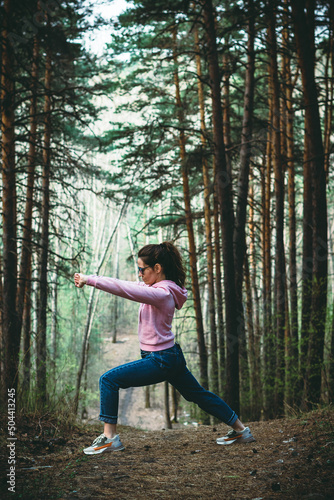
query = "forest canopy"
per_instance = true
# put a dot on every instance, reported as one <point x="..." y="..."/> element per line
<point x="204" y="123"/>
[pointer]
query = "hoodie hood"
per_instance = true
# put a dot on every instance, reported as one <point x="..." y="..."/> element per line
<point x="178" y="293"/>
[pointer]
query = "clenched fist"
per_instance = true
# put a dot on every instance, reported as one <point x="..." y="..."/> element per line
<point x="80" y="280"/>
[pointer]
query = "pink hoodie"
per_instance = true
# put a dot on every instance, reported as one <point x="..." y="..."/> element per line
<point x="156" y="311"/>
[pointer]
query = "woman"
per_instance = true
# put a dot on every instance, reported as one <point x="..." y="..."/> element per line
<point x="160" y="292"/>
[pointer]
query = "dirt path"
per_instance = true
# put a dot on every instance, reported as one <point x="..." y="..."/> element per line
<point x="132" y="409"/>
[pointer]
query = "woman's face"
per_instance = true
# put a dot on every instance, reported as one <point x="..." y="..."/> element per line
<point x="150" y="275"/>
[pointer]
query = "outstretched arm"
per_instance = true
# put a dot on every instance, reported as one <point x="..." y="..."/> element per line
<point x="132" y="290"/>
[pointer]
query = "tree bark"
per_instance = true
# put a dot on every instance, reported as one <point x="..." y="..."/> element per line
<point x="268" y="336"/>
<point x="305" y="49"/>
<point x="9" y="256"/>
<point x="329" y="83"/>
<point x="115" y="308"/>
<point x="224" y="189"/>
<point x="227" y="109"/>
<point x="292" y="350"/>
<point x="239" y="234"/>
<point x="26" y="334"/>
<point x="219" y="292"/>
<point x="214" y="376"/>
<point x="85" y="341"/>
<point x="279" y="217"/>
<point x="43" y="264"/>
<point x="166" y="406"/>
<point x="27" y="225"/>
<point x="203" y="359"/>
<point x="54" y="312"/>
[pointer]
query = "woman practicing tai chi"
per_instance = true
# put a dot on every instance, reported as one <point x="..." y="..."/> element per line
<point x="162" y="289"/>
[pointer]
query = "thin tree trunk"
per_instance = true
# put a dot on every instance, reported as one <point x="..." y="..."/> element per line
<point x="253" y="354"/>
<point x="175" y="404"/>
<point x="26" y="333"/>
<point x="214" y="376"/>
<point x="203" y="360"/>
<point x="43" y="265"/>
<point x="239" y="234"/>
<point x="9" y="319"/>
<point x="87" y="330"/>
<point x="27" y="225"/>
<point x="279" y="218"/>
<point x="329" y="82"/>
<point x="268" y="336"/>
<point x="134" y="259"/>
<point x="219" y="291"/>
<point x="115" y="310"/>
<point x="166" y="406"/>
<point x="292" y="354"/>
<point x="227" y="110"/>
<point x="226" y="211"/>
<point x="54" y="313"/>
<point x="253" y="315"/>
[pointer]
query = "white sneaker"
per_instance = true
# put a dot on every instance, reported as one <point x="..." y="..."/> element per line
<point x="233" y="436"/>
<point x="102" y="443"/>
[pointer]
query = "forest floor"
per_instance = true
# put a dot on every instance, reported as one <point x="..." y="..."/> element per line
<point x="292" y="458"/>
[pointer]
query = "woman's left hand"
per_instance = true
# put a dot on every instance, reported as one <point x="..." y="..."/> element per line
<point x="80" y="280"/>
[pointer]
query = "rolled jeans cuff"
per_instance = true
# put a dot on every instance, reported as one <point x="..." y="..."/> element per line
<point x="108" y="420"/>
<point x="233" y="419"/>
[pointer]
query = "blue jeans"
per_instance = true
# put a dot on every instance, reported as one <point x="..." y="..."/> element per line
<point x="155" y="367"/>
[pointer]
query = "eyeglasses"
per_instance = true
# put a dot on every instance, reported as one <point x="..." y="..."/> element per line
<point x="142" y="269"/>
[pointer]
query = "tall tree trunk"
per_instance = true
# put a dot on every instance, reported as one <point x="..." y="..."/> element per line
<point x="307" y="266"/>
<point x="203" y="359"/>
<point x="219" y="292"/>
<point x="239" y="235"/>
<point x="223" y="182"/>
<point x="27" y="225"/>
<point x="88" y="325"/>
<point x="268" y="335"/>
<point x="26" y="334"/>
<point x="292" y="352"/>
<point x="9" y="323"/>
<point x="329" y="82"/>
<point x="253" y="350"/>
<point x="253" y="311"/>
<point x="214" y="376"/>
<point x="43" y="265"/>
<point x="54" y="312"/>
<point x="166" y="406"/>
<point x="279" y="217"/>
<point x="305" y="48"/>
<point x="115" y="309"/>
<point x="227" y="108"/>
<point x="132" y="248"/>
<point x="218" y="289"/>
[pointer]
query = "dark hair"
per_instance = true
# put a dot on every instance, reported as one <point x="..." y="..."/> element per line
<point x="167" y="255"/>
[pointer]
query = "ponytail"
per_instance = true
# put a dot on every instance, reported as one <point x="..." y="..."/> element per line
<point x="168" y="256"/>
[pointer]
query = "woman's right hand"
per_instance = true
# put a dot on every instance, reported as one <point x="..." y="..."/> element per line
<point x="80" y="280"/>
